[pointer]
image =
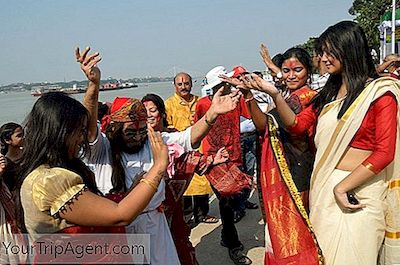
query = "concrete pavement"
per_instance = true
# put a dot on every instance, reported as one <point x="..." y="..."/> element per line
<point x="206" y="237"/>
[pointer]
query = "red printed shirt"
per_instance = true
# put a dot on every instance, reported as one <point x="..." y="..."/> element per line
<point x="226" y="130"/>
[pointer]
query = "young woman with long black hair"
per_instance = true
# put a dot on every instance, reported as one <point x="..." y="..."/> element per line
<point x="58" y="190"/>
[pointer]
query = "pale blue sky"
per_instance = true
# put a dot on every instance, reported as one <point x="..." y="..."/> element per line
<point x="149" y="38"/>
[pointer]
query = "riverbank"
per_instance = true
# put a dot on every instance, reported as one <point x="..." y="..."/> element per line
<point x="14" y="106"/>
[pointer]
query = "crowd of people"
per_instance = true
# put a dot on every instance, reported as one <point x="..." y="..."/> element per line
<point x="322" y="152"/>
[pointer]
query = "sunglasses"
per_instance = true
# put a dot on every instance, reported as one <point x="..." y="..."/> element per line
<point x="131" y="133"/>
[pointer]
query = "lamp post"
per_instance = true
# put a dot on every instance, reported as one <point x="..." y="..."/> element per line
<point x="393" y="25"/>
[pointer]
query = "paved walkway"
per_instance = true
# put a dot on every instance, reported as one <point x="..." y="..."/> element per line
<point x="206" y="237"/>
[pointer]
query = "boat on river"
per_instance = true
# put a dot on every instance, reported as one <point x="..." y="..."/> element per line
<point x="37" y="91"/>
<point x="116" y="85"/>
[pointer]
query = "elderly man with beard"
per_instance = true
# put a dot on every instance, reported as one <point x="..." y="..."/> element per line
<point x="121" y="154"/>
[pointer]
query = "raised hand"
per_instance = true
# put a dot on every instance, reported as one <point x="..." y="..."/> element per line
<point x="89" y="64"/>
<point x="267" y="59"/>
<point x="232" y="80"/>
<point x="221" y="157"/>
<point x="224" y="104"/>
<point x="236" y="82"/>
<point x="265" y="55"/>
<point x="255" y="82"/>
<point x="159" y="150"/>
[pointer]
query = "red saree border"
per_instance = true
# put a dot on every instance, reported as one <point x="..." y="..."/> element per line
<point x="288" y="191"/>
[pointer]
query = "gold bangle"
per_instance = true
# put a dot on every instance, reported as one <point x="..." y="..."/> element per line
<point x="370" y="167"/>
<point x="294" y="123"/>
<point x="208" y="122"/>
<point x="247" y="100"/>
<point x="150" y="183"/>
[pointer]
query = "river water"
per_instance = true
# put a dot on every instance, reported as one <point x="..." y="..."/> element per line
<point x="15" y="106"/>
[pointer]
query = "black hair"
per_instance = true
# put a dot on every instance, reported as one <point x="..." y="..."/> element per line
<point x="347" y="42"/>
<point x="182" y="73"/>
<point x="159" y="102"/>
<point x="114" y="133"/>
<point x="302" y="56"/>
<point x="102" y="110"/>
<point x="317" y="46"/>
<point x="278" y="60"/>
<point x="6" y="131"/>
<point x="53" y="120"/>
<point x="10" y="175"/>
<point x="258" y="73"/>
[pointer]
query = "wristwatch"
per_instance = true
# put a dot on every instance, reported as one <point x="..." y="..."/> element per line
<point x="279" y="75"/>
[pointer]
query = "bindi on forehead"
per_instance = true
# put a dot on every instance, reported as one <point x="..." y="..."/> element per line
<point x="292" y="63"/>
<point x="149" y="104"/>
<point x="181" y="78"/>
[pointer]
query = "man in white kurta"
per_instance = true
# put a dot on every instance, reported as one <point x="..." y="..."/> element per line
<point x="127" y="124"/>
<point x="151" y="221"/>
<point x="128" y="118"/>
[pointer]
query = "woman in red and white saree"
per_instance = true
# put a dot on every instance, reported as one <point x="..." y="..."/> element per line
<point x="354" y="193"/>
<point x="285" y="171"/>
<point x="285" y="168"/>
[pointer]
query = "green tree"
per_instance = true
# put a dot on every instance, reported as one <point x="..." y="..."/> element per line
<point x="368" y="13"/>
<point x="308" y="45"/>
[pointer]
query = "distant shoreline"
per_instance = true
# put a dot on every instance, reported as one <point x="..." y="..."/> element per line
<point x="22" y="87"/>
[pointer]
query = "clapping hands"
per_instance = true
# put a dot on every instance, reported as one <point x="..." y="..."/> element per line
<point x="224" y="104"/>
<point x="252" y="81"/>
<point x="159" y="150"/>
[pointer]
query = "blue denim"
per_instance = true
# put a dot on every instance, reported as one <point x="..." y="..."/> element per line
<point x="248" y="143"/>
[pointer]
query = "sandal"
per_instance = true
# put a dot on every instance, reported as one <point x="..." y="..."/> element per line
<point x="238" y="257"/>
<point x="208" y="219"/>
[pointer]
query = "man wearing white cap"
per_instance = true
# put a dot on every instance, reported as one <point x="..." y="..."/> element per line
<point x="225" y="132"/>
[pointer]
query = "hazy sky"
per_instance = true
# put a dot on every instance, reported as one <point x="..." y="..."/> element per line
<point x="149" y="38"/>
